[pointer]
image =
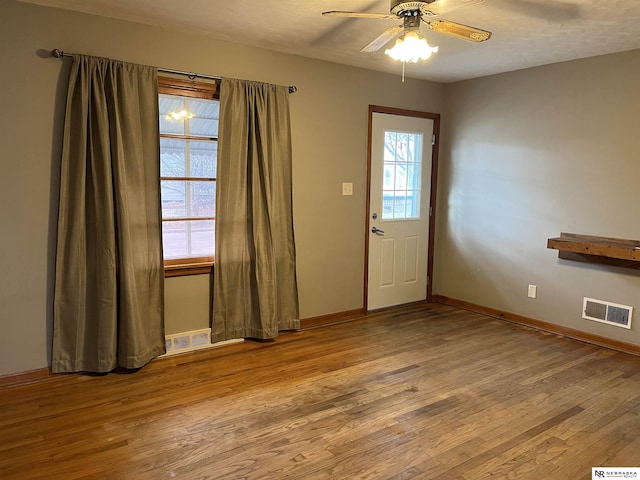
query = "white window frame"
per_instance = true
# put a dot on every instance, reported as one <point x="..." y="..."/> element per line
<point x="191" y="89"/>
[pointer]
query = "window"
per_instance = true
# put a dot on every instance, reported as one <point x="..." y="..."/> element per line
<point x="189" y="113"/>
<point x="402" y="175"/>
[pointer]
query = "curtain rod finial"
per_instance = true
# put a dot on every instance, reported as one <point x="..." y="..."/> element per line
<point x="293" y="89"/>
<point x="57" y="53"/>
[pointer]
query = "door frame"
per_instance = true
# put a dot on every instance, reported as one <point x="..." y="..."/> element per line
<point x="432" y="201"/>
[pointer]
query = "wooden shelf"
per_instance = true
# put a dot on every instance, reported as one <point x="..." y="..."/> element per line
<point x="604" y="250"/>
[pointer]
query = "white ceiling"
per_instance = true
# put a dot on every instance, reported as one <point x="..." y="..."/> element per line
<point x="526" y="33"/>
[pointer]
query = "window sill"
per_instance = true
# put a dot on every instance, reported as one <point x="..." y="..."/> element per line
<point x="185" y="267"/>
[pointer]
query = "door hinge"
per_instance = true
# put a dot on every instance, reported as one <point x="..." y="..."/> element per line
<point x="430" y="210"/>
<point x="433" y="139"/>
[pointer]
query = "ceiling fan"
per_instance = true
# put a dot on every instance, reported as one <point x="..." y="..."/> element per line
<point x="413" y="14"/>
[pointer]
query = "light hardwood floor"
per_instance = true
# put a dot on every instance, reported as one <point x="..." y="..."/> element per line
<point x="428" y="392"/>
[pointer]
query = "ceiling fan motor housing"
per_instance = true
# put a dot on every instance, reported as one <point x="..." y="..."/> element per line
<point x="401" y="8"/>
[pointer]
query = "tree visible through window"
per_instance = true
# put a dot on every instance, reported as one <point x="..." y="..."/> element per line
<point x="189" y="113"/>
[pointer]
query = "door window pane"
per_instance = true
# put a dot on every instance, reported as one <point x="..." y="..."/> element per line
<point x="402" y="175"/>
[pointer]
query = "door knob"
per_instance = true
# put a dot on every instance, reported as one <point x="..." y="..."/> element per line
<point x="377" y="231"/>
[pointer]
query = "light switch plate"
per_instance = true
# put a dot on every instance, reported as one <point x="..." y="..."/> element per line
<point x="347" y="188"/>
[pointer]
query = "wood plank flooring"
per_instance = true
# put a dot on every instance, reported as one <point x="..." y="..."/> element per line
<point x="426" y="392"/>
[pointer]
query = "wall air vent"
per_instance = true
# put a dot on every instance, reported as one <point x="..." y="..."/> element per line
<point x="191" y="341"/>
<point x="607" y="312"/>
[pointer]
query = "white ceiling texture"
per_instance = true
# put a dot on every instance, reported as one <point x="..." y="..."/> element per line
<point x="526" y="33"/>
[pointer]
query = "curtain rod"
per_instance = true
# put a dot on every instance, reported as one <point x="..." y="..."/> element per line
<point x="57" y="53"/>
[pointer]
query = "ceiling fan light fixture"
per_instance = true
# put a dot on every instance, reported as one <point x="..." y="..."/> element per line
<point x="411" y="47"/>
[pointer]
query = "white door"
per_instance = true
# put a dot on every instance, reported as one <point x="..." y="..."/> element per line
<point x="400" y="191"/>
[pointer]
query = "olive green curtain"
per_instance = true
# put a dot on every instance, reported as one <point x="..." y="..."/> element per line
<point x="108" y="301"/>
<point x="255" y="291"/>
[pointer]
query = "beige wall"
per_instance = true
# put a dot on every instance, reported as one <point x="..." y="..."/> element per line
<point x="329" y="121"/>
<point x="528" y="155"/>
<point x="525" y="155"/>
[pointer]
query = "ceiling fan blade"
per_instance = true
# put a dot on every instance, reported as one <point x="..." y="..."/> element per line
<point x="458" y="30"/>
<point x="438" y="7"/>
<point x="337" y="13"/>
<point x="379" y="42"/>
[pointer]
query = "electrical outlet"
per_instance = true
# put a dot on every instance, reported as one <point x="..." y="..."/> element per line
<point x="533" y="291"/>
<point x="347" y="188"/>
